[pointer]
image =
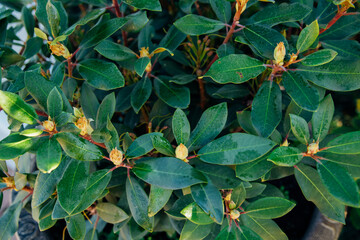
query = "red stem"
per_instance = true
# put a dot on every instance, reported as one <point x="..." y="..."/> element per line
<point x="87" y="137"/>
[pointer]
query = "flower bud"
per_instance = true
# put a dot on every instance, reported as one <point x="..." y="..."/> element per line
<point x="232" y="205"/>
<point x="116" y="156"/>
<point x="49" y="125"/>
<point x="234" y="214"/>
<point x="285" y="143"/>
<point x="241" y="5"/>
<point x="279" y="53"/>
<point x="59" y="49"/>
<point x="9" y="181"/>
<point x="181" y="152"/>
<point x="144" y="52"/>
<point x="84" y="125"/>
<point x="313" y="148"/>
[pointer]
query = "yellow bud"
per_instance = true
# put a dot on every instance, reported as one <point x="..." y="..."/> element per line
<point x="293" y="58"/>
<point x="234" y="214"/>
<point x="59" y="49"/>
<point x="181" y="152"/>
<point x="279" y="53"/>
<point x="241" y="5"/>
<point x="313" y="148"/>
<point x="84" y="125"/>
<point x="49" y="125"/>
<point x="116" y="156"/>
<point x="144" y="52"/>
<point x="228" y="197"/>
<point x="148" y="68"/>
<point x="9" y="181"/>
<point x="285" y="143"/>
<point x="232" y="205"/>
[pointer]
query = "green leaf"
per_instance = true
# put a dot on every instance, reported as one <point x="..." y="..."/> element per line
<point x="321" y="119"/>
<point x="209" y="126"/>
<point x="136" y="21"/>
<point x="338" y="75"/>
<point x="164" y="172"/>
<point x="244" y="120"/>
<point x="266" y="108"/>
<point x="300" y="128"/>
<point x="114" y="51"/>
<point x="264" y="39"/>
<point x="315" y="191"/>
<point x="72" y="185"/>
<point x="348" y="143"/>
<point x="180" y="127"/>
<point x="192" y="231"/>
<point x="339" y="183"/>
<point x="141" y="64"/>
<point x="45" y="184"/>
<point x="84" y="20"/>
<point x="101" y="74"/>
<point x="196" y="215"/>
<point x="157" y="199"/>
<point x="286" y="156"/>
<point x="53" y="17"/>
<point x="152" y="5"/>
<point x="222" y="177"/>
<point x="15" y="145"/>
<point x="162" y="145"/>
<point x="238" y="195"/>
<point x="227" y="233"/>
<point x="349" y="162"/>
<point x="28" y="20"/>
<point x="46" y="223"/>
<point x="344" y="28"/>
<point x="307" y="37"/>
<point x="78" y="148"/>
<point x="33" y="46"/>
<point x="76" y="226"/>
<point x="89" y="102"/>
<point x="43" y="16"/>
<point x="48" y="155"/>
<point x="265" y="228"/>
<point x="253" y="170"/>
<point x="102" y="31"/>
<point x="319" y="58"/>
<point x="141" y="145"/>
<point x="222" y="9"/>
<point x="10" y="221"/>
<point x="111" y="213"/>
<point x="17" y="108"/>
<point x="282" y="13"/>
<point x="141" y="93"/>
<point x="179" y="205"/>
<point x="197" y="25"/>
<point x="348" y="49"/>
<point x="269" y="207"/>
<point x="235" y="148"/>
<point x="247" y="233"/>
<point x="106" y="110"/>
<point x="208" y="197"/>
<point x="9" y="57"/>
<point x="173" y="95"/>
<point x="235" y="68"/>
<point x="138" y="202"/>
<point x="304" y="95"/>
<point x="54" y="103"/>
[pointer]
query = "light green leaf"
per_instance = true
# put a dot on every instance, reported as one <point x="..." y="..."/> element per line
<point x="48" y="155"/>
<point x="152" y="5"/>
<point x="197" y="25"/>
<point x="162" y="145"/>
<point x="111" y="213"/>
<point x="54" y="103"/>
<point x="180" y="127"/>
<point x="319" y="58"/>
<point x="286" y="156"/>
<point x="76" y="226"/>
<point x="196" y="215"/>
<point x="193" y="231"/>
<point x="141" y="145"/>
<point x="300" y="128"/>
<point x="157" y="199"/>
<point x="321" y="119"/>
<point x="15" y="145"/>
<point x="307" y="37"/>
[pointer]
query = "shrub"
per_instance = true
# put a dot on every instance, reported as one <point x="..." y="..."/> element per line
<point x="176" y="116"/>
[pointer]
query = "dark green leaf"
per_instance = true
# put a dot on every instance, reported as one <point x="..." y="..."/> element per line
<point x="76" y="226"/>
<point x="106" y="110"/>
<point x="244" y="119"/>
<point x="253" y="170"/>
<point x="196" y="215"/>
<point x="110" y="212"/>
<point x="235" y="148"/>
<point x="54" y="103"/>
<point x="180" y="127"/>
<point x="286" y="156"/>
<point x="198" y="25"/>
<point x="227" y="233"/>
<point x="141" y="93"/>
<point x="174" y="95"/>
<point x="222" y="9"/>
<point x="269" y="207"/>
<point x="10" y="221"/>
<point x="28" y="20"/>
<point x="265" y="228"/>
<point x="344" y="28"/>
<point x="152" y="5"/>
<point x="348" y="143"/>
<point x="321" y="119"/>
<point x="157" y="199"/>
<point x="349" y="49"/>
<point x="162" y="145"/>
<point x="164" y="172"/>
<point x="192" y="231"/>
<point x="238" y="195"/>
<point x="141" y="145"/>
<point x="141" y="65"/>
<point x="101" y="74"/>
<point x="114" y="51"/>
<point x="89" y="102"/>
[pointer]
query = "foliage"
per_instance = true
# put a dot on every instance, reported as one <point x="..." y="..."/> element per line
<point x="175" y="116"/>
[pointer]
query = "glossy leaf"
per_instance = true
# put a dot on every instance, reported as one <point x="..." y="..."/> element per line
<point x="84" y="20"/>
<point x="349" y="49"/>
<point x="10" y="221"/>
<point x="314" y="190"/>
<point x="208" y="127"/>
<point x="101" y="74"/>
<point x="244" y="120"/>
<point x="247" y="233"/>
<point x="141" y="145"/>
<point x="15" y="145"/>
<point x="141" y="93"/>
<point x="141" y="64"/>
<point x="321" y="119"/>
<point x="235" y="148"/>
<point x="269" y="207"/>
<point x="102" y="31"/>
<point x="105" y="111"/>
<point x="344" y="28"/>
<point x="153" y="5"/>
<point x="227" y="234"/>
<point x="307" y="36"/>
<point x="197" y="25"/>
<point x="238" y="195"/>
<point x="174" y="95"/>
<point x="110" y="213"/>
<point x="138" y="203"/>
<point x="17" y="108"/>
<point x="76" y="226"/>
<point x="336" y="76"/>
<point x="348" y="143"/>
<point x="300" y="128"/>
<point x="48" y="155"/>
<point x="114" y="51"/>
<point x="222" y="9"/>
<point x="157" y="199"/>
<point x="266" y="108"/>
<point x="319" y="58"/>
<point x="235" y="68"/>
<point x="54" y="103"/>
<point x="299" y="89"/>
<point x="78" y="148"/>
<point x="162" y="145"/>
<point x="180" y="127"/>
<point x="196" y="215"/>
<point x="253" y="170"/>
<point x="164" y="172"/>
<point x="339" y="183"/>
<point x="192" y="231"/>
<point x="265" y="228"/>
<point x="286" y="156"/>
<point x="208" y="197"/>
